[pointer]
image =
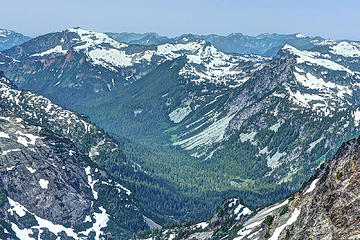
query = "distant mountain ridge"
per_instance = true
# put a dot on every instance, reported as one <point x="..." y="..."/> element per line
<point x="9" y="38"/>
<point x="263" y="44"/>
<point x="138" y="38"/>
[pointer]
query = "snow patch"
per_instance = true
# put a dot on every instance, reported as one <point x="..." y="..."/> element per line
<point x="266" y="211"/>
<point x="346" y="49"/>
<point x="9" y="151"/>
<point x="91" y="182"/>
<point x="276" y="126"/>
<point x="10" y="168"/>
<point x="310" y="81"/>
<point x="87" y="219"/>
<point x="119" y="186"/>
<point x="202" y="225"/>
<point x="55" y="50"/>
<point x="357" y="117"/>
<point x="179" y="114"/>
<point x="137" y="112"/>
<point x="247" y="136"/>
<point x="313" y="144"/>
<point x="245" y="231"/>
<point x="312" y="186"/>
<point x="299" y="35"/>
<point x="212" y="134"/>
<point x="264" y="151"/>
<point x="17" y="208"/>
<point x="4" y="135"/>
<point x="257" y="220"/>
<point x="26" y="139"/>
<point x="273" y="162"/>
<point x="234" y="201"/>
<point x="151" y="223"/>
<point x="313" y="58"/>
<point x="43" y="183"/>
<point x="22" y="234"/>
<point x="94" y="150"/>
<point x="31" y="170"/>
<point x="110" y="57"/>
<point x="245" y="211"/>
<point x="101" y="220"/>
<point x="290" y="221"/>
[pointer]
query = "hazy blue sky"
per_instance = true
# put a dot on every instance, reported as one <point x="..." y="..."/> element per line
<point x="331" y="19"/>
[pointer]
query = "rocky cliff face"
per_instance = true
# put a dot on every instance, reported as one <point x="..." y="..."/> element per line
<point x="327" y="207"/>
<point x="51" y="185"/>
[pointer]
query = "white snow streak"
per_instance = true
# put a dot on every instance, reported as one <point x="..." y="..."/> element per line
<point x="312" y="186"/>
<point x="290" y="221"/>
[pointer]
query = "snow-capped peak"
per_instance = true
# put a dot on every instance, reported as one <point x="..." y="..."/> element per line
<point x="346" y="49"/>
<point x="299" y="35"/>
<point x="5" y="32"/>
<point x="219" y="66"/>
<point x="319" y="86"/>
<point x="205" y="63"/>
<point x="90" y="38"/>
<point x="287" y="47"/>
<point x="315" y="58"/>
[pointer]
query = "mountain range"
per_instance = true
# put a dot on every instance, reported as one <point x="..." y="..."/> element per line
<point x="195" y="119"/>
<point x="263" y="44"/>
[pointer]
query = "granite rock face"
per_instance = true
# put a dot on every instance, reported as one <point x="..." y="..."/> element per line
<point x="51" y="185"/>
<point x="43" y="172"/>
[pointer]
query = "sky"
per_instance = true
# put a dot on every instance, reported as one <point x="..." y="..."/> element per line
<point x="329" y="19"/>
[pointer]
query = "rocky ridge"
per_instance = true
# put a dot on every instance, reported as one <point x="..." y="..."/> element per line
<point x="51" y="183"/>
